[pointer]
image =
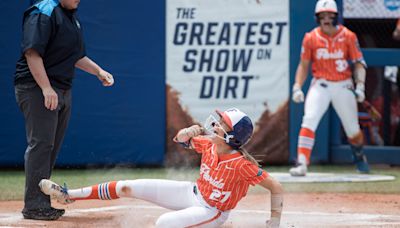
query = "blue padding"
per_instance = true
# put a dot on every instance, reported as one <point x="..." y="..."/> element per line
<point x="381" y="56"/>
<point x="123" y="124"/>
<point x="375" y="154"/>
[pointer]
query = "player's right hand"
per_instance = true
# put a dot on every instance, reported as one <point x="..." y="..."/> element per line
<point x="297" y="94"/>
<point x="194" y="131"/>
<point x="50" y="98"/>
<point x="187" y="133"/>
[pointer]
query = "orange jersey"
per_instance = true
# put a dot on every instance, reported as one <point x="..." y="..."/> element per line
<point x="330" y="56"/>
<point x="224" y="180"/>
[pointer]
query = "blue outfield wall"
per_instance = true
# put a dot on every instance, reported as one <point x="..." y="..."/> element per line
<point x="121" y="124"/>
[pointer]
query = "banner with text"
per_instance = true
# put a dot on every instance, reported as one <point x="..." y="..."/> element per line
<point x="223" y="54"/>
<point x="371" y="9"/>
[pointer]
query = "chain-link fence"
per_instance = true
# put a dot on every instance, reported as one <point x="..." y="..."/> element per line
<point x="373" y="21"/>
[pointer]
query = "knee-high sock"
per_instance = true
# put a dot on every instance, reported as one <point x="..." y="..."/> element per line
<point x="104" y="191"/>
<point x="305" y="145"/>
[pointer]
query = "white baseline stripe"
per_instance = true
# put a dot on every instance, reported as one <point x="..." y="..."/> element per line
<point x="14" y="217"/>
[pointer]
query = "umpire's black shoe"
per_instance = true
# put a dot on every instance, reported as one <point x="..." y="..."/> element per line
<point x="43" y="213"/>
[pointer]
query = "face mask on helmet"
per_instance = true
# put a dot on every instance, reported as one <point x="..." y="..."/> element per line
<point x="209" y="125"/>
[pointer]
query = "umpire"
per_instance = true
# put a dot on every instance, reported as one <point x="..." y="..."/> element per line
<point x="52" y="46"/>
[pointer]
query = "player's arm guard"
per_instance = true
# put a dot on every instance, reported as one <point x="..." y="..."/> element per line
<point x="359" y="78"/>
<point x="276" y="210"/>
<point x="185" y="135"/>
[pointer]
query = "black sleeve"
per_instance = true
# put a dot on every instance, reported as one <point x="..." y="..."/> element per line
<point x="36" y="33"/>
<point x="83" y="49"/>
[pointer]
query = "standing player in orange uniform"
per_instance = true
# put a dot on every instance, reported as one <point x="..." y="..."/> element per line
<point x="226" y="172"/>
<point x="331" y="48"/>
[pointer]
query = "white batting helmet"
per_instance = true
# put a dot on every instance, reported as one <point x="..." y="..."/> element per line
<point x="241" y="125"/>
<point x="326" y="6"/>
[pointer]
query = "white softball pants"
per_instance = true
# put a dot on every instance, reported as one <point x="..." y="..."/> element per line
<point x="321" y="94"/>
<point x="190" y="208"/>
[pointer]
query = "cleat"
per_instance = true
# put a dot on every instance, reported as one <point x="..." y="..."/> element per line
<point x="54" y="190"/>
<point x="360" y="159"/>
<point x="362" y="164"/>
<point x="298" y="171"/>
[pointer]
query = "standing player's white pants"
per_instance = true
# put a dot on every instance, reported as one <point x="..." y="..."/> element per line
<point x="190" y="208"/>
<point x="321" y="94"/>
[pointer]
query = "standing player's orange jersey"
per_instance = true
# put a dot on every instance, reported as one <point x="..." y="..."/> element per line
<point x="225" y="180"/>
<point x="330" y="55"/>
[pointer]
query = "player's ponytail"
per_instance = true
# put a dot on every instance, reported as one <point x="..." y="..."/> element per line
<point x="248" y="156"/>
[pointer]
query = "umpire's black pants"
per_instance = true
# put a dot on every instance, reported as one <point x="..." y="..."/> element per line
<point x="45" y="132"/>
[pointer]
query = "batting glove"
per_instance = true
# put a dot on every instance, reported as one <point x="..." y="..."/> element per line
<point x="297" y="94"/>
<point x="360" y="94"/>
<point x="187" y="133"/>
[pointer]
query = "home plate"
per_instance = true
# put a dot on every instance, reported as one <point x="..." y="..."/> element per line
<point x="330" y="177"/>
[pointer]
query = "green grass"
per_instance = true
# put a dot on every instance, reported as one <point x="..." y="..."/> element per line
<point x="12" y="182"/>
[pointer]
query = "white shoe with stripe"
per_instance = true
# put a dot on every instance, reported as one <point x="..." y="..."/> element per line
<point x="298" y="171"/>
<point x="56" y="191"/>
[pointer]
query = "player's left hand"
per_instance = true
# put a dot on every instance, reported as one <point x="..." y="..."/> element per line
<point x="359" y="92"/>
<point x="106" y="78"/>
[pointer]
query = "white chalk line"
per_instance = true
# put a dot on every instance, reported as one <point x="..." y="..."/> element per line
<point x="10" y="218"/>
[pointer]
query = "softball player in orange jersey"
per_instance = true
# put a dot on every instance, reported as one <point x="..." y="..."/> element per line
<point x="226" y="173"/>
<point x="331" y="48"/>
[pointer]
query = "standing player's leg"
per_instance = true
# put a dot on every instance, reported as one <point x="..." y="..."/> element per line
<point x="345" y="105"/>
<point x="316" y="104"/>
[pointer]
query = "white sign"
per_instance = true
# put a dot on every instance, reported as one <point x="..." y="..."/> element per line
<point x="223" y="54"/>
<point x="371" y="8"/>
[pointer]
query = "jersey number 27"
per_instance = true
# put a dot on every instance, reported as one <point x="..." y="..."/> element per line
<point x="217" y="194"/>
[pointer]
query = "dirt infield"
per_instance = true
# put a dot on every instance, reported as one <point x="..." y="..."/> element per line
<point x="300" y="210"/>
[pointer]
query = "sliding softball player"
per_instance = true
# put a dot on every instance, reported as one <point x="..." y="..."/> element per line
<point x="226" y="173"/>
<point x="330" y="48"/>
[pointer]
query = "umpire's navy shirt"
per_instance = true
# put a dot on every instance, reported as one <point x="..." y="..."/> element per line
<point x="56" y="34"/>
